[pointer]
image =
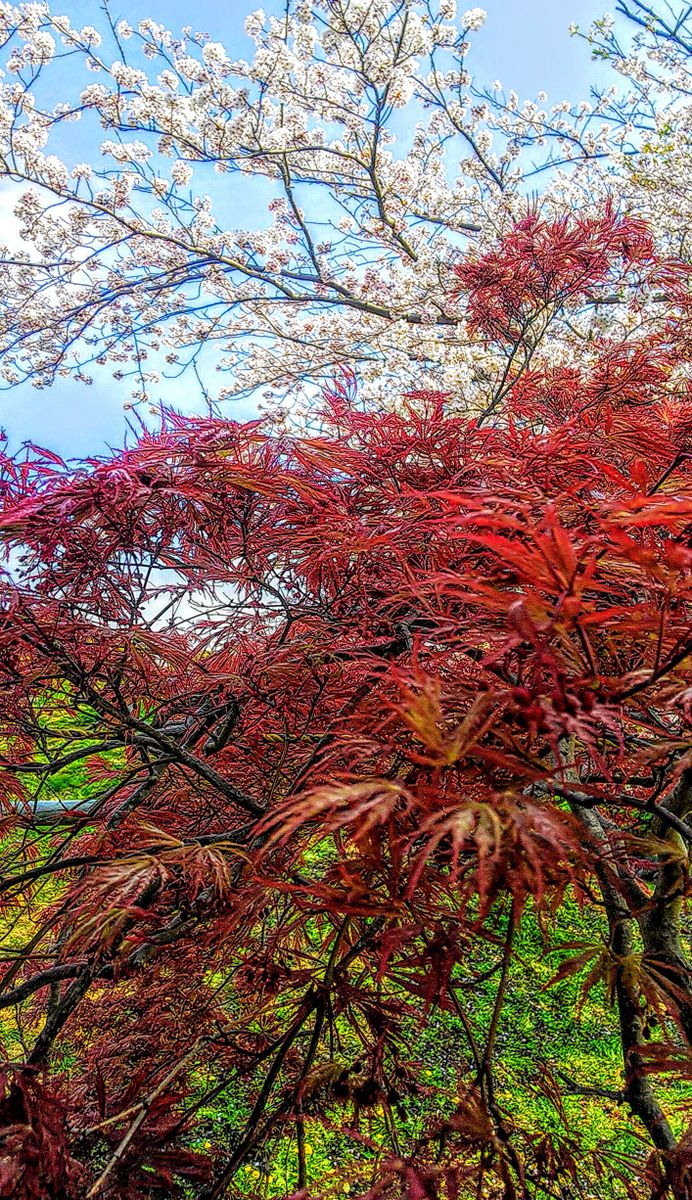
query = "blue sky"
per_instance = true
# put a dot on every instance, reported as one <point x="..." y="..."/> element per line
<point x="525" y="44"/>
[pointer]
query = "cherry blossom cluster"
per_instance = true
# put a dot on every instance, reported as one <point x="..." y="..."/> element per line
<point x="358" y="132"/>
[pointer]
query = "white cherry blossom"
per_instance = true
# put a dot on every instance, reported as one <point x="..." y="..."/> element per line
<point x="369" y="159"/>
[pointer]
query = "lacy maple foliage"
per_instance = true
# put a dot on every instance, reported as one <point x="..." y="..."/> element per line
<point x="350" y="707"/>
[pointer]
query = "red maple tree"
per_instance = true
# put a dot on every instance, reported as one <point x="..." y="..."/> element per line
<point x="350" y="705"/>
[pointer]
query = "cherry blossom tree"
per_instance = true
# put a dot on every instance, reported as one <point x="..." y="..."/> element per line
<point x="354" y="710"/>
<point x="375" y="157"/>
<point x="649" y="47"/>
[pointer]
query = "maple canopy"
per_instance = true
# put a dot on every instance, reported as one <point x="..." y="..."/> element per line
<point x="352" y="710"/>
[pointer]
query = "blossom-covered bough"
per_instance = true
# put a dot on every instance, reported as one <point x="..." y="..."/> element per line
<point x="356" y="130"/>
<point x="649" y="47"/>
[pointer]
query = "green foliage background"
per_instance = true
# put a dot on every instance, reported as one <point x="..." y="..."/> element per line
<point x="549" y="1032"/>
